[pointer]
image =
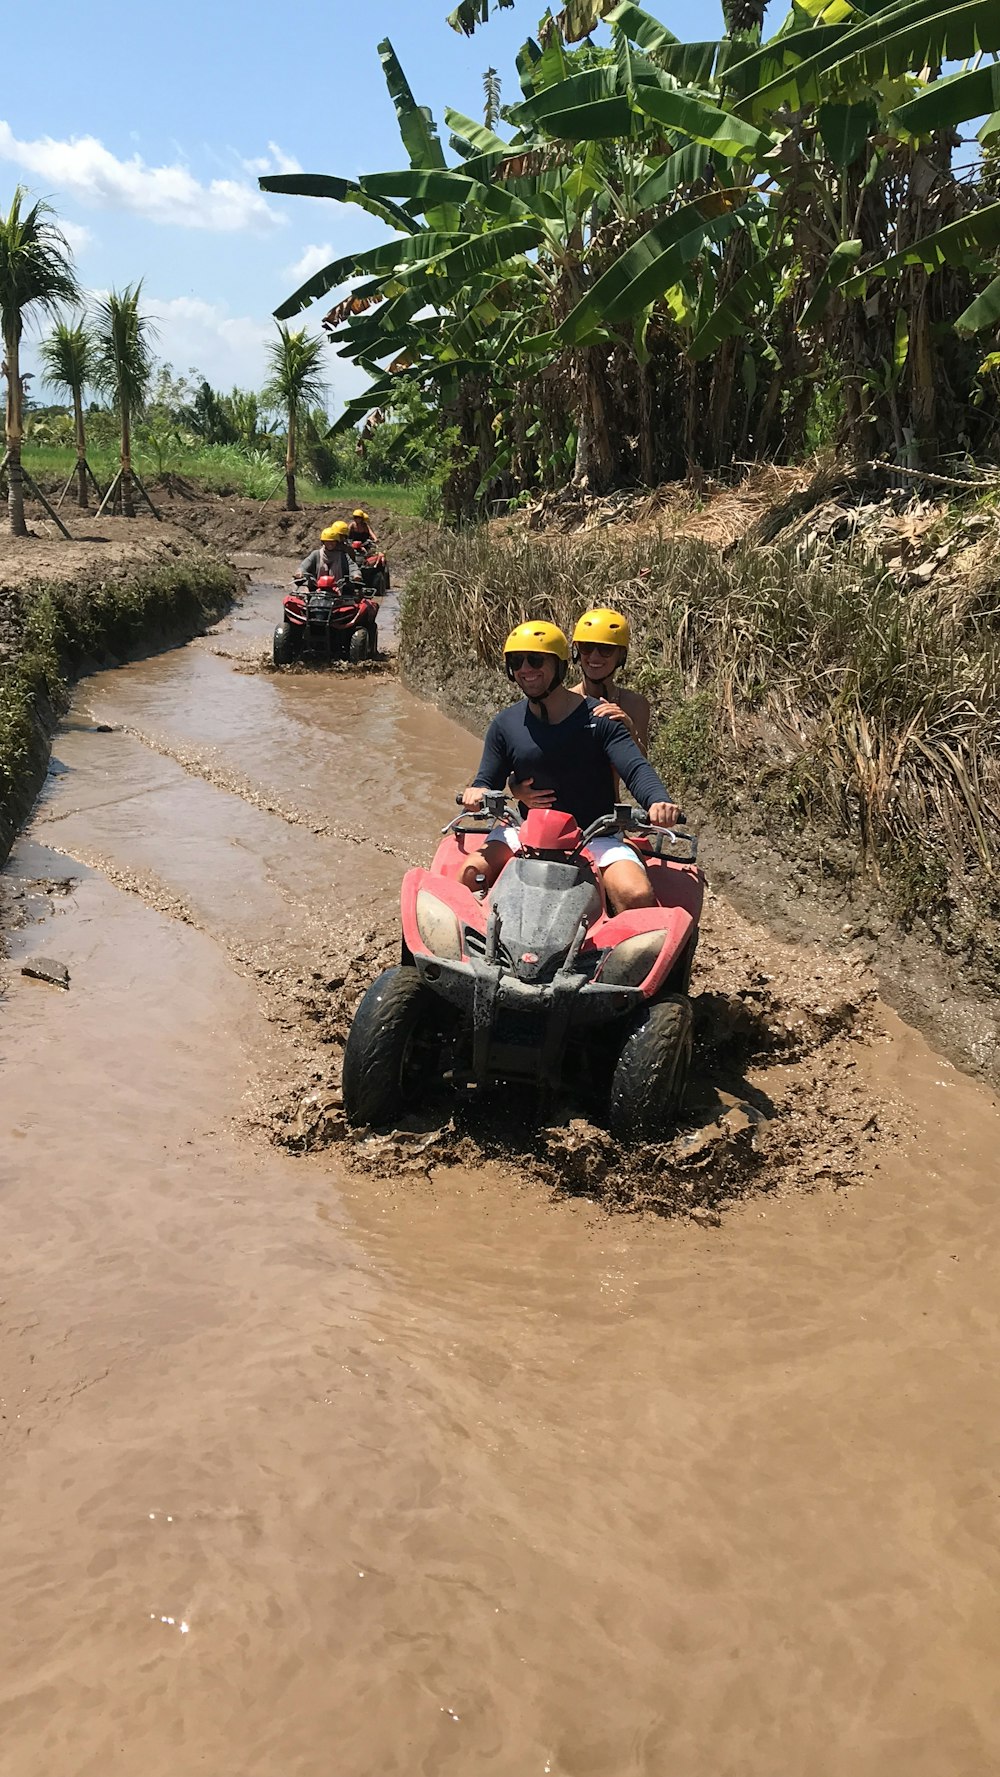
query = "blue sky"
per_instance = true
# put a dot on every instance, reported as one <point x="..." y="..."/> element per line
<point x="146" y="128"/>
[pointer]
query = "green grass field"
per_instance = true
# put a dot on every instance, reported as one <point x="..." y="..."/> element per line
<point x="223" y="469"/>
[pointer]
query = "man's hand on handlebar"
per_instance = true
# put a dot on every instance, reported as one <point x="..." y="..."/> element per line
<point x="472" y="798"/>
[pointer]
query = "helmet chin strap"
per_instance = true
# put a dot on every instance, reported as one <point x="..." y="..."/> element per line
<point x="540" y="696"/>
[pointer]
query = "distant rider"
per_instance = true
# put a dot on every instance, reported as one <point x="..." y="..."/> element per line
<point x="359" y="529"/>
<point x="556" y="740"/>
<point x="332" y="557"/>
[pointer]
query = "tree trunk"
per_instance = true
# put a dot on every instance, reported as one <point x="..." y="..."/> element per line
<point x="128" y="504"/>
<point x="647" y="452"/>
<point x="290" y="505"/>
<point x="923" y="393"/>
<point x="15" y="485"/>
<point x="81" y="451"/>
<point x="593" y="445"/>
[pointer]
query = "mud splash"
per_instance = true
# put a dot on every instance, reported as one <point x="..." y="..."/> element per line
<point x="776" y="1102"/>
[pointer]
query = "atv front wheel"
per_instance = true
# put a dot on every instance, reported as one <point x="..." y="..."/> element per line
<point x="389" y="1054"/>
<point x="284" y="647"/>
<point x="650" y="1078"/>
<point x="358" y="646"/>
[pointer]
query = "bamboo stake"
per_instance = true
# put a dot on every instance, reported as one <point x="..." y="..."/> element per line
<point x="142" y="490"/>
<point x="111" y="490"/>
<point x="36" y="490"/>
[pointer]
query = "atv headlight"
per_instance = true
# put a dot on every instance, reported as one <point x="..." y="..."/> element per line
<point x="630" y="962"/>
<point x="438" y="926"/>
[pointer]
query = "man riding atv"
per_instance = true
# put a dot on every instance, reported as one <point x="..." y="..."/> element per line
<point x="555" y="741"/>
<point x="359" y="530"/>
<point x="332" y="558"/>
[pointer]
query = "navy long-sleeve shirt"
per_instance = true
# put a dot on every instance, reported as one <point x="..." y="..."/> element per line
<point x="577" y="758"/>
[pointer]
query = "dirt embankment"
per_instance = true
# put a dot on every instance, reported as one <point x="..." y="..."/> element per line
<point x="822" y="659"/>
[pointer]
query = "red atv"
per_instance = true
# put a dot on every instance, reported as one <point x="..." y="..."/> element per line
<point x="373" y="565"/>
<point x="539" y="981"/>
<point x="329" y="618"/>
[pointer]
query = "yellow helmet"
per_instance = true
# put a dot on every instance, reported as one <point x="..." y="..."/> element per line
<point x="359" y="514"/>
<point x="335" y="533"/>
<point x="538" y="637"/>
<point x="609" y="627"/>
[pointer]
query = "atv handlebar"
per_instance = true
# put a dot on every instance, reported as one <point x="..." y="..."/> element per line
<point x="624" y="818"/>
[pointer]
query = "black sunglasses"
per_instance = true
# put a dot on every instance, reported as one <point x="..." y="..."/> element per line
<point x="518" y="660"/>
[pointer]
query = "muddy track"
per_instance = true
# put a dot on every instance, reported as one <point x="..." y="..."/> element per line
<point x="316" y="1438"/>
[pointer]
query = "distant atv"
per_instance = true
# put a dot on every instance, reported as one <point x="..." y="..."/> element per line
<point x="327" y="619"/>
<point x="373" y="565"/>
<point x="540" y="982"/>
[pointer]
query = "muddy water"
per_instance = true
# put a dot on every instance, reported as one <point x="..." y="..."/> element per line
<point x="308" y="1473"/>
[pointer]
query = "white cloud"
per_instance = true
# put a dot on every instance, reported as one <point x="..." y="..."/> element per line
<point x="312" y="260"/>
<point x="91" y="174"/>
<point x="79" y="238"/>
<point x="228" y="349"/>
<point x="274" y="161"/>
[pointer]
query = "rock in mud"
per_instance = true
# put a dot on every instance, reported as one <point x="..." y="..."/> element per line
<point x="705" y="1218"/>
<point x="45" y="968"/>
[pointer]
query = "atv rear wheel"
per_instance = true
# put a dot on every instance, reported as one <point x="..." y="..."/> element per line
<point x="650" y="1077"/>
<point x="391" y="1051"/>
<point x="358" y="646"/>
<point x="284" y="648"/>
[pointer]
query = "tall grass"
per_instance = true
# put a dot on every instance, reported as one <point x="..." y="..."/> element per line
<point x="222" y="468"/>
<point x="813" y="693"/>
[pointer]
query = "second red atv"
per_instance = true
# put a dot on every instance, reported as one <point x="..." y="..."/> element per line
<point x="373" y="565"/>
<point x="539" y="982"/>
<point x="328" y="618"/>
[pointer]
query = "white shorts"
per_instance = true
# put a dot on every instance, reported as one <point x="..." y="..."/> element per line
<point x="601" y="852"/>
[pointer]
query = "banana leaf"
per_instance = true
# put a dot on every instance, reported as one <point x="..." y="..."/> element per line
<point x="963" y="242"/>
<point x="904" y="39"/>
<point x="984" y="312"/>
<point x="645" y="271"/>
<point x="682" y="168"/>
<point x="845" y="129"/>
<point x="955" y="99"/>
<point x="343" y="191"/>
<point x="480" y="253"/>
<point x="476" y="136"/>
<point x="416" y="125"/>
<point x="838" y="267"/>
<point x="578" y="108"/>
<point x="731" y="315"/>
<point x="704" y="123"/>
<point x="641" y="27"/>
<point x="425" y="191"/>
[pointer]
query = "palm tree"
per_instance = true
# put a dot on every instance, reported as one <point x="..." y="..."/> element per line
<point x="36" y="272"/>
<point x="123" y="367"/>
<point x="295" y="382"/>
<point x="67" y="360"/>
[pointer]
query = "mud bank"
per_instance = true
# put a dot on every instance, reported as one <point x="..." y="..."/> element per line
<point x="806" y="706"/>
<point x="93" y="604"/>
